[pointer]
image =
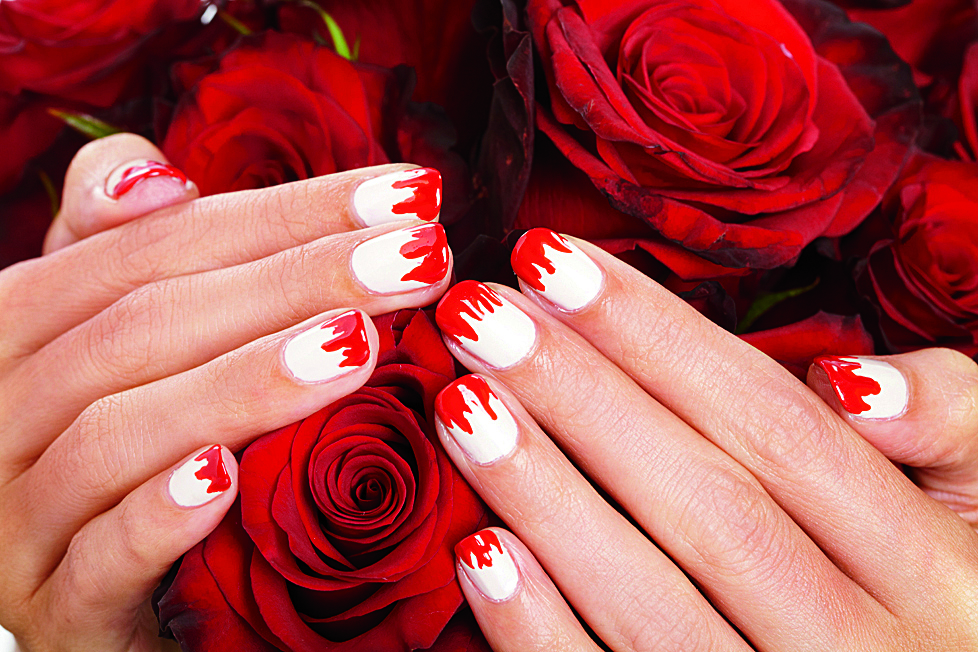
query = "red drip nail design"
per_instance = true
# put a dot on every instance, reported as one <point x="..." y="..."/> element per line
<point x="467" y="298"/>
<point x="478" y="547"/>
<point x="213" y="470"/>
<point x="850" y="388"/>
<point x="451" y="404"/>
<point x="529" y="257"/>
<point x="351" y="335"/>
<point x="426" y="202"/>
<point x="431" y="246"/>
<point x="135" y="174"/>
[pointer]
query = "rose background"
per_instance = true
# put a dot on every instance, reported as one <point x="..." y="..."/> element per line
<point x="828" y="210"/>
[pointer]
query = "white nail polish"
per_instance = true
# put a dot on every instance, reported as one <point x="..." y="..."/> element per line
<point x="328" y="350"/>
<point x="557" y="269"/>
<point x="477" y="420"/>
<point x="867" y="388"/>
<point x="486" y="325"/>
<point x="201" y="479"/>
<point x="402" y="260"/>
<point x="404" y="195"/>
<point x="484" y="561"/>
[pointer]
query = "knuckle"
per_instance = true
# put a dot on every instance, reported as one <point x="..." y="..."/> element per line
<point x="661" y="627"/>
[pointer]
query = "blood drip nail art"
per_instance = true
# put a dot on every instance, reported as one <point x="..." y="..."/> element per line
<point x="329" y="350"/>
<point x="557" y="269"/>
<point x="484" y="561"/>
<point x="477" y="420"/>
<point x="125" y="177"/>
<point x="868" y="389"/>
<point x="200" y="480"/>
<point x="486" y="325"/>
<point x="402" y="260"/>
<point x="399" y="196"/>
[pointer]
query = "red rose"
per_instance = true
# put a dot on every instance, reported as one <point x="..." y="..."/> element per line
<point x="280" y="108"/>
<point x="724" y="127"/>
<point x="342" y="536"/>
<point x="81" y="50"/>
<point x="26" y="130"/>
<point x="924" y="281"/>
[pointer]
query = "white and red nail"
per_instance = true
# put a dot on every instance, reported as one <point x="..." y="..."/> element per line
<point x="402" y="260"/>
<point x="125" y="177"/>
<point x="404" y="195"/>
<point x="201" y="479"/>
<point x="330" y="349"/>
<point x="486" y="562"/>
<point x="557" y="269"/>
<point x="477" y="420"/>
<point x="485" y="324"/>
<point x="867" y="388"/>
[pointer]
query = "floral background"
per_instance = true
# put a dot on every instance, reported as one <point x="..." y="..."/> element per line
<point x="801" y="172"/>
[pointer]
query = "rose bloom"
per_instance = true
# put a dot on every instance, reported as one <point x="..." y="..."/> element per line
<point x="923" y="281"/>
<point x="722" y="127"/>
<point x="81" y="50"/>
<point x="343" y="532"/>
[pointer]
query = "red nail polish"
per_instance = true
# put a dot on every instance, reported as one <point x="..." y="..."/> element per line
<point x="467" y="299"/>
<point x="867" y="388"/>
<point x="477" y="420"/>
<point x="430" y="245"/>
<point x="426" y="202"/>
<point x="349" y="338"/>
<point x="476" y="551"/>
<point x="213" y="470"/>
<point x="124" y="180"/>
<point x="488" y="565"/>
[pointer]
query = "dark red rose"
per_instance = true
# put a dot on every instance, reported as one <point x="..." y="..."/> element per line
<point x="26" y="130"/>
<point x="280" y="108"/>
<point x="342" y="535"/>
<point x="965" y="105"/>
<point x="924" y="280"/>
<point x="83" y="50"/>
<point x="736" y="135"/>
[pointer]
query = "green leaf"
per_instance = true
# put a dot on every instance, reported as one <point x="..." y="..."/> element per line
<point x="234" y="23"/>
<point x="51" y="192"/>
<point x="85" y="124"/>
<point x="335" y="33"/>
<point x="768" y="300"/>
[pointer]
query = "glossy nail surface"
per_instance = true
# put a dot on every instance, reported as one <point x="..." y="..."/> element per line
<point x="125" y="177"/>
<point x="477" y="420"/>
<point x="867" y="388"/>
<point x="329" y="350"/>
<point x="402" y="260"/>
<point x="557" y="269"/>
<point x="404" y="195"/>
<point x="485" y="324"/>
<point x="490" y="567"/>
<point x="200" y="480"/>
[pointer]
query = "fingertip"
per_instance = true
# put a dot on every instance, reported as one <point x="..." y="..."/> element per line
<point x="207" y="475"/>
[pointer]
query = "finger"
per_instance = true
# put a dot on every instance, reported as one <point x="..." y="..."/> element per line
<point x="173" y="325"/>
<point x="919" y="409"/>
<point x="116" y="561"/>
<point x="210" y="233"/>
<point x="120" y="441"/>
<point x="113" y="180"/>
<point x="843" y="492"/>
<point x="517" y="606"/>
<point x="702" y="508"/>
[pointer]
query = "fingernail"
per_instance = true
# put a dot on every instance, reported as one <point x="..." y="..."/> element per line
<point x="484" y="561"/>
<point x="402" y="260"/>
<point x="485" y="324"/>
<point x="125" y="177"/>
<point x="557" y="269"/>
<point x="867" y="388"/>
<point x="477" y="420"/>
<point x="329" y="350"/>
<point x="404" y="195"/>
<point x="200" y="480"/>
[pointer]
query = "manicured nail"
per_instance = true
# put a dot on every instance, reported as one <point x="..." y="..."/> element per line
<point x="477" y="420"/>
<point x="485" y="562"/>
<point x="404" y="195"/>
<point x="200" y="480"/>
<point x="329" y="350"/>
<point x="868" y="389"/>
<point x="557" y="269"/>
<point x="402" y="260"/>
<point x="126" y="176"/>
<point x="485" y="324"/>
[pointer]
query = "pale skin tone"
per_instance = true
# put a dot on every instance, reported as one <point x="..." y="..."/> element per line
<point x="779" y="522"/>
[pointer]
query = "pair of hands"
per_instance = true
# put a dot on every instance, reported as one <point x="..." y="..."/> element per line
<point x="778" y="520"/>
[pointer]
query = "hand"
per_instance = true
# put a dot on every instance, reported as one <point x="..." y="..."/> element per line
<point x="160" y="333"/>
<point x="752" y="515"/>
